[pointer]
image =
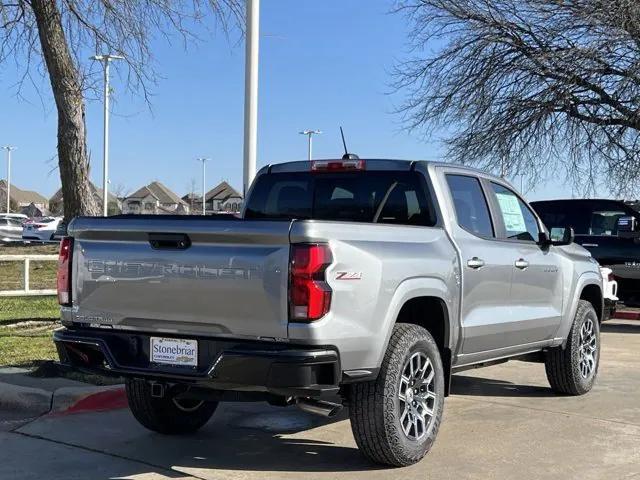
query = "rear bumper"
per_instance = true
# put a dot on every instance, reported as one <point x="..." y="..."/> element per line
<point x="40" y="238"/>
<point x="226" y="365"/>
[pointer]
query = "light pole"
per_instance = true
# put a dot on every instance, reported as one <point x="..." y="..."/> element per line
<point x="9" y="149"/>
<point x="105" y="59"/>
<point x="204" y="192"/>
<point x="251" y="92"/>
<point x="310" y="134"/>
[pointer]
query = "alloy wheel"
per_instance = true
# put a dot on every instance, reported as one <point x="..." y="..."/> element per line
<point x="417" y="396"/>
<point x="588" y="348"/>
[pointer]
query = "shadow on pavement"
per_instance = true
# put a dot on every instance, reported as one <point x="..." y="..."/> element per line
<point x="489" y="387"/>
<point x="268" y="453"/>
<point x="241" y="437"/>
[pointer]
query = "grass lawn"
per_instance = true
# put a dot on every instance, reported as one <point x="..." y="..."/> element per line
<point x="29" y="249"/>
<point x="28" y="308"/>
<point x="24" y="343"/>
<point x="26" y="324"/>
<point x="42" y="275"/>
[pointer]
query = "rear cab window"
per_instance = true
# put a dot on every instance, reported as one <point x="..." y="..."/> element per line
<point x="605" y="222"/>
<point x="389" y="197"/>
<point x="472" y="210"/>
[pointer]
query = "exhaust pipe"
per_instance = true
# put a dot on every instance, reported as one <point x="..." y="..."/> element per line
<point x="318" y="407"/>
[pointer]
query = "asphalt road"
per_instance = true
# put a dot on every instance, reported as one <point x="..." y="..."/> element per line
<point x="501" y="422"/>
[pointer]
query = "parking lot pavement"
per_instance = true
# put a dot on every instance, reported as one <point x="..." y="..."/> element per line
<point x="500" y="422"/>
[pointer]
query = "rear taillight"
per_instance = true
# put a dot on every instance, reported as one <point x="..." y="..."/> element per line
<point x="309" y="293"/>
<point x="611" y="277"/>
<point x="64" y="271"/>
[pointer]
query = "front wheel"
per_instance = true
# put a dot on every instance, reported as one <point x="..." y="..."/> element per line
<point x="167" y="414"/>
<point x="395" y="418"/>
<point x="572" y="370"/>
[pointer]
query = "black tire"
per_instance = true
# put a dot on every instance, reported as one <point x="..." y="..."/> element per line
<point x="376" y="411"/>
<point x="166" y="415"/>
<point x="566" y="366"/>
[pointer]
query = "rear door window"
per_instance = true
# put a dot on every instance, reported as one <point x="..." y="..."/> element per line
<point x="470" y="204"/>
<point x="376" y="196"/>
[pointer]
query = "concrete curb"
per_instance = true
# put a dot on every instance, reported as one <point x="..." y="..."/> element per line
<point x="62" y="401"/>
<point x="68" y="400"/>
<point x="627" y="315"/>
<point x="24" y="399"/>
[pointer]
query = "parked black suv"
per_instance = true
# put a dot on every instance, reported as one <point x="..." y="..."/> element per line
<point x="595" y="223"/>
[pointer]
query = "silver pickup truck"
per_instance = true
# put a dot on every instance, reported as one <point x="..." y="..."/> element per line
<point x="358" y="283"/>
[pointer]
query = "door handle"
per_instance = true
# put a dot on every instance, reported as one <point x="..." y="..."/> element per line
<point x="521" y="263"/>
<point x="587" y="245"/>
<point x="169" y="241"/>
<point x="475" y="263"/>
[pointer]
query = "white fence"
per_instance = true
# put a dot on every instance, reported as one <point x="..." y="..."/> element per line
<point x="26" y="260"/>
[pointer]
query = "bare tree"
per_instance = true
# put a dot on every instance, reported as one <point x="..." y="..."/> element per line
<point x="535" y="87"/>
<point x="120" y="190"/>
<point x="61" y="34"/>
<point x="192" y="195"/>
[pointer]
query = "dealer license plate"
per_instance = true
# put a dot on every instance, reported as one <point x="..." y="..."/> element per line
<point x="174" y="351"/>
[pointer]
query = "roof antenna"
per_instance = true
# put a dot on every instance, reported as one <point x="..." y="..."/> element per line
<point x="347" y="155"/>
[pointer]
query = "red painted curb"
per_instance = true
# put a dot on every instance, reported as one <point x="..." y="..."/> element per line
<point x="99" y="402"/>
<point x="627" y="315"/>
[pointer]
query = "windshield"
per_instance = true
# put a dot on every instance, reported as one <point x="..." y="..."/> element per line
<point x="370" y="197"/>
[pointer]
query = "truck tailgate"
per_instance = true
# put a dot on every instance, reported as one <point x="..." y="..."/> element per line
<point x="231" y="280"/>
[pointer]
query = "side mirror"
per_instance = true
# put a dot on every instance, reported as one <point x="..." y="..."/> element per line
<point x="543" y="239"/>
<point x="561" y="236"/>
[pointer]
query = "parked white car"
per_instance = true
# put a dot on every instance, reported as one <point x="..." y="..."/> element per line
<point x="10" y="229"/>
<point x="18" y="216"/>
<point x="41" y="229"/>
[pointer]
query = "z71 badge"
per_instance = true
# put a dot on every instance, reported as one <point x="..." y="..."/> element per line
<point x="348" y="275"/>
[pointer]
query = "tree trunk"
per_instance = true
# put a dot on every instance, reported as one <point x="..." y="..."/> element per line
<point x="78" y="195"/>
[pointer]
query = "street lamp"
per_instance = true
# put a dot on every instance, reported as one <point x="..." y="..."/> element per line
<point x="9" y="149"/>
<point x="310" y="134"/>
<point x="204" y="173"/>
<point x="105" y="59"/>
<point x="252" y="44"/>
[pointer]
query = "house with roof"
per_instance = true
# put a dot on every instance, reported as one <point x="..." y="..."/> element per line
<point x="194" y="201"/>
<point x="56" y="202"/>
<point x="21" y="199"/>
<point x="223" y="198"/>
<point x="154" y="199"/>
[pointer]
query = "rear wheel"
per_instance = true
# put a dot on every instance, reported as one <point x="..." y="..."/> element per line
<point x="167" y="414"/>
<point x="395" y="418"/>
<point x="573" y="369"/>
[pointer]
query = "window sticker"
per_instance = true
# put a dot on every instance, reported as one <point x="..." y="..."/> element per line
<point x="511" y="212"/>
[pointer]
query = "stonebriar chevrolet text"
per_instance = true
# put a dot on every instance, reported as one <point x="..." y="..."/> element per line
<point x="358" y="283"/>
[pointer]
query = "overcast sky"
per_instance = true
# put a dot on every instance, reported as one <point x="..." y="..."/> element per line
<point x="322" y="65"/>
